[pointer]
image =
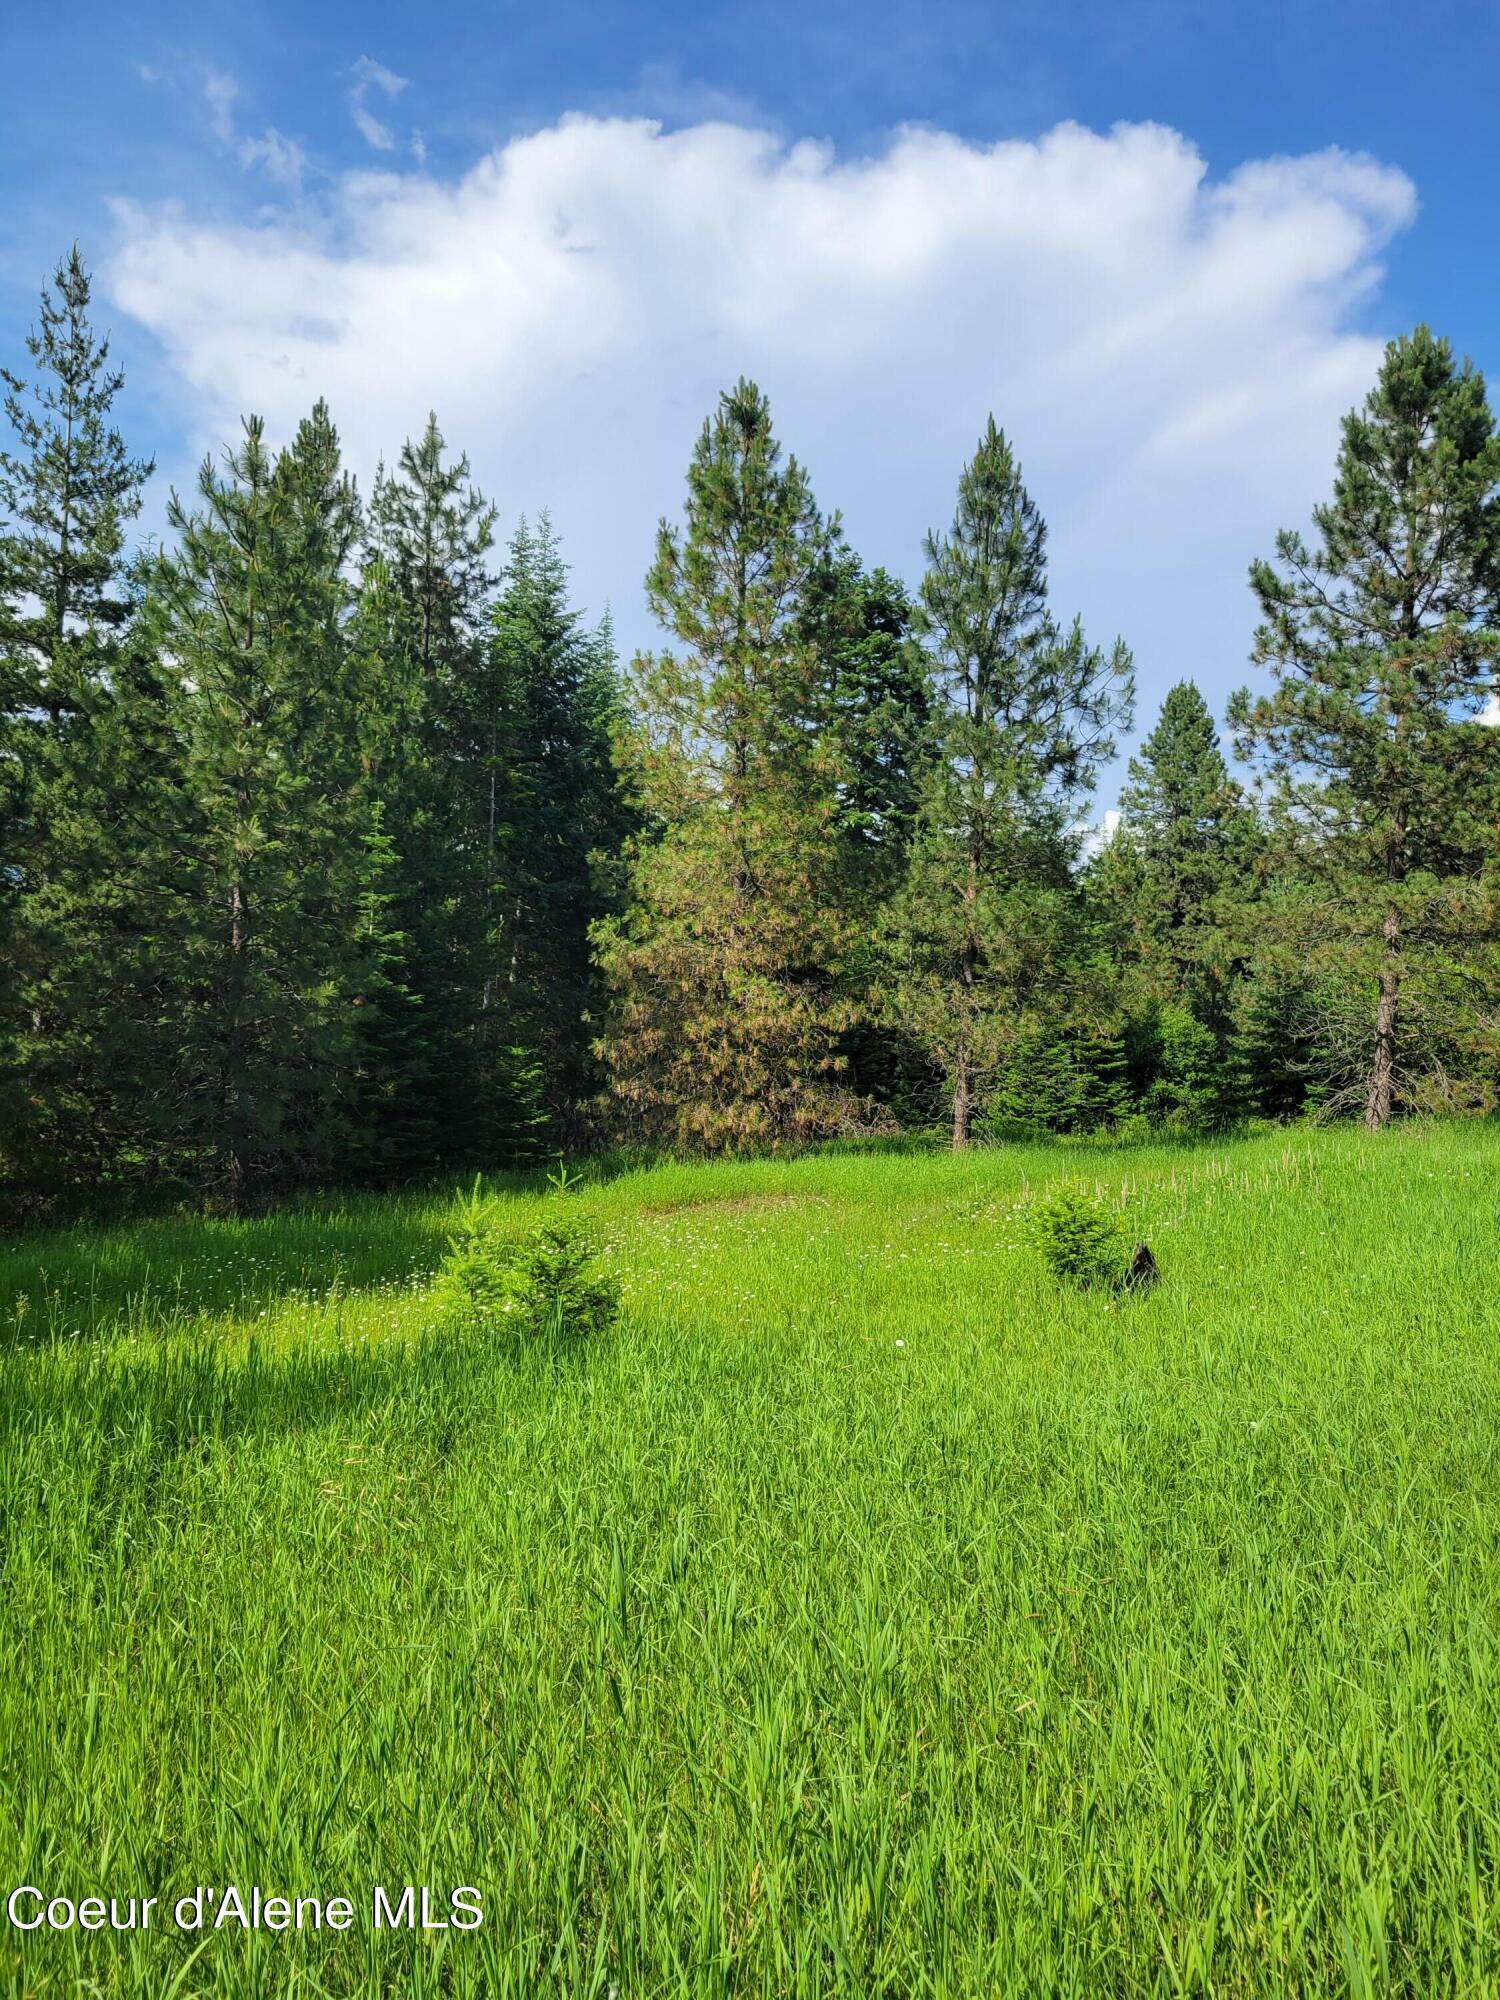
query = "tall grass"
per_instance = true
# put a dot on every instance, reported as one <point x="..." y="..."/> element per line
<point x="866" y="1616"/>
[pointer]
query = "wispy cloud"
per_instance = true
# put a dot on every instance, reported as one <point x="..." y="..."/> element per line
<point x="373" y="77"/>
<point x="219" y="93"/>
<point x="281" y="159"/>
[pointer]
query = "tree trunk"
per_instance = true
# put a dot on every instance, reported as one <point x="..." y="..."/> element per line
<point x="963" y="1097"/>
<point x="1383" y="1064"/>
<point x="1380" y="1096"/>
<point x="234" y="1165"/>
<point x="968" y="966"/>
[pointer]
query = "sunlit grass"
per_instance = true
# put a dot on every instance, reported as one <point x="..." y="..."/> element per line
<point x="866" y="1616"/>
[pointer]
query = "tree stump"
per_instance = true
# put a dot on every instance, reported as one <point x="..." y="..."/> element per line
<point x="1143" y="1272"/>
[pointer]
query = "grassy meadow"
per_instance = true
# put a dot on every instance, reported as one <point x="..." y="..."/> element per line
<point x="864" y="1616"/>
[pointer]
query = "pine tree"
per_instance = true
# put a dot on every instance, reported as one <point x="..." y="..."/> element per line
<point x="1382" y="639"/>
<point x="71" y="920"/>
<point x="433" y="531"/>
<point x="980" y="934"/>
<point x="557" y="809"/>
<point x="251" y="612"/>
<point x="879" y="704"/>
<point x="392" y="1088"/>
<point x="726" y="1017"/>
<point x="1175" y="888"/>
<point x="878" y="696"/>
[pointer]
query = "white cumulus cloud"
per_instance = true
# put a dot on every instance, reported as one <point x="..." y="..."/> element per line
<point x="1169" y="351"/>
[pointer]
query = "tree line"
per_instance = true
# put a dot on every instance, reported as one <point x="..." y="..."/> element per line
<point x="336" y="846"/>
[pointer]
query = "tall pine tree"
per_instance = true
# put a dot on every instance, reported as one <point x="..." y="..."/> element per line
<point x="251" y="612"/>
<point x="73" y="774"/>
<point x="1383" y="638"/>
<point x="453" y="1099"/>
<point x="726" y="1017"/>
<point x="557" y="813"/>
<point x="978" y="937"/>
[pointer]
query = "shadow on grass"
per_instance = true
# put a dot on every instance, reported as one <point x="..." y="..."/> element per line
<point x="80" y="1283"/>
<point x="132" y="1417"/>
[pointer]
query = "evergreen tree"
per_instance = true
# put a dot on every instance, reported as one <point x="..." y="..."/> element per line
<point x="433" y="531"/>
<point x="556" y="810"/>
<point x="395" y="1063"/>
<point x="69" y="491"/>
<point x="879" y="704"/>
<point x="879" y="713"/>
<point x="1186" y="821"/>
<point x="1058" y="1080"/>
<point x="1174" y="889"/>
<point x="70" y="915"/>
<point x="1382" y="640"/>
<point x="726" y="1016"/>
<point x="250" y="611"/>
<point x="980" y="934"/>
<point x="1181" y="1073"/>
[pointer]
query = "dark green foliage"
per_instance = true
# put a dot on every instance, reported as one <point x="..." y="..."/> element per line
<point x="879" y="710"/>
<point x="430" y="536"/>
<point x="1058" y="1080"/>
<point x="558" y="813"/>
<point x="1183" y="1074"/>
<point x="879" y="722"/>
<point x="1281" y="1018"/>
<point x="1184" y="855"/>
<point x="268" y="857"/>
<point x="69" y="489"/>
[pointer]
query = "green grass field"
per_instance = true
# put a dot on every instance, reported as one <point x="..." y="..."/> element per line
<point x="864" y="1616"/>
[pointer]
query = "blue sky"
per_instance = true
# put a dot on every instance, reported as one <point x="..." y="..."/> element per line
<point x="1213" y="294"/>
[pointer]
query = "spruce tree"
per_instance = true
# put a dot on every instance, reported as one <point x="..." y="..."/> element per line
<point x="1187" y="820"/>
<point x="557" y="812"/>
<point x="251" y="612"/>
<point x="1382" y="639"/>
<point x="980" y="935"/>
<point x="435" y="531"/>
<point x="1176" y="887"/>
<point x="432" y="532"/>
<point x="879" y="705"/>
<point x="69" y="490"/>
<point x="74" y="778"/>
<point x="878" y="696"/>
<point x="395" y="1061"/>
<point x="726" y="1015"/>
